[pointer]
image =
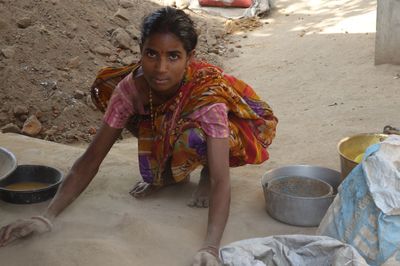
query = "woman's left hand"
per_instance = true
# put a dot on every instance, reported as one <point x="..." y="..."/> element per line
<point x="205" y="258"/>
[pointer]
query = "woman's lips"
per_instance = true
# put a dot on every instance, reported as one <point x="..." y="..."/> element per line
<point x="160" y="81"/>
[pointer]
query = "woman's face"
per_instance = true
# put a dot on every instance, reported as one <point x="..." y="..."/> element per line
<point x="164" y="61"/>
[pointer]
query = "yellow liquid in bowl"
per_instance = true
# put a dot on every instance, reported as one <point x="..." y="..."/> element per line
<point x="26" y="186"/>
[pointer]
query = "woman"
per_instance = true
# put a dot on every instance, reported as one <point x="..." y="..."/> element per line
<point x="184" y="113"/>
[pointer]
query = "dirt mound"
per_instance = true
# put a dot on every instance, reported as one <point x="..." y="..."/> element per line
<point x="51" y="50"/>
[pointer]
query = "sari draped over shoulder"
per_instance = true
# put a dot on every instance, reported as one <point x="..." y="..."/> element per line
<point x="175" y="145"/>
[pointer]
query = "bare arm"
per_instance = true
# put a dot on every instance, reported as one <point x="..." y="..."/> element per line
<point x="218" y="163"/>
<point x="83" y="170"/>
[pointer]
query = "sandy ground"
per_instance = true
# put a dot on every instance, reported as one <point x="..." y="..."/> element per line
<point x="313" y="62"/>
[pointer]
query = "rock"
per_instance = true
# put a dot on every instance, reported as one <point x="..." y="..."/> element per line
<point x="32" y="126"/>
<point x="50" y="85"/>
<point x="8" y="52"/>
<point x="74" y="62"/>
<point x="94" y="25"/>
<point x="169" y="2"/>
<point x="39" y="114"/>
<point x="211" y="40"/>
<point x="73" y="26"/>
<point x="52" y="131"/>
<point x="133" y="31"/>
<point x="3" y="118"/>
<point x="120" y="38"/>
<point x="92" y="130"/>
<point x="102" y="50"/>
<point x="112" y="58"/>
<point x="182" y="4"/>
<point x="78" y="94"/>
<point x="90" y="103"/>
<point x="111" y="4"/>
<point x="24" y="22"/>
<point x="20" y="110"/>
<point x="11" y="128"/>
<point x="128" y="60"/>
<point x="135" y="49"/>
<point x="22" y="118"/>
<point x="213" y="50"/>
<point x="123" y="14"/>
<point x="125" y="3"/>
<point x="3" y="24"/>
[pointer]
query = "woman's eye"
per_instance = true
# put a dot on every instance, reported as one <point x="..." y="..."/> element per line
<point x="174" y="57"/>
<point x="151" y="54"/>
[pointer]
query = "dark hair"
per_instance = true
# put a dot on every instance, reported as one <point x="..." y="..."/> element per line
<point x="170" y="20"/>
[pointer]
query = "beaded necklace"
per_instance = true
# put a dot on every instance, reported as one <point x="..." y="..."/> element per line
<point x="151" y="109"/>
<point x="152" y="116"/>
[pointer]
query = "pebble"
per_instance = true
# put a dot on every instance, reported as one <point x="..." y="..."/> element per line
<point x="78" y="94"/>
<point x="8" y="52"/>
<point x="92" y="130"/>
<point x="133" y="31"/>
<point x="11" y="128"/>
<point x="102" y="50"/>
<point x="20" y="110"/>
<point x="120" y="38"/>
<point x="123" y="14"/>
<point x="128" y="60"/>
<point x="32" y="126"/>
<point x="24" y="22"/>
<point x="125" y="3"/>
<point x="74" y="62"/>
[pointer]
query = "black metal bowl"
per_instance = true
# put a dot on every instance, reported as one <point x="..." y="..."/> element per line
<point x="30" y="184"/>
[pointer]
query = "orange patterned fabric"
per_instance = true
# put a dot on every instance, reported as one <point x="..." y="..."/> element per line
<point x="177" y="139"/>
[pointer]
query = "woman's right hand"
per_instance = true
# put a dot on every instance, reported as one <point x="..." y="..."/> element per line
<point x="24" y="228"/>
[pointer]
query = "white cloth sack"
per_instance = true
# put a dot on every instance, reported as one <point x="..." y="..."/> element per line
<point x="365" y="213"/>
<point x="294" y="250"/>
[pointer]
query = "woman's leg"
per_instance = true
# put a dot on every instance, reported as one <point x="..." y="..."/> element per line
<point x="142" y="188"/>
<point x="188" y="153"/>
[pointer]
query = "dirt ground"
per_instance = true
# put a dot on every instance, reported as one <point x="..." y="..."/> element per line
<point x="313" y="61"/>
<point x="50" y="52"/>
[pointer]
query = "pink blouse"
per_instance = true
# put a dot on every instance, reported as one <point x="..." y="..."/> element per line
<point x="212" y="118"/>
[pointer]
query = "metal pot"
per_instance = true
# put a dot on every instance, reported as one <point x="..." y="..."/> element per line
<point x="49" y="176"/>
<point x="8" y="162"/>
<point x="296" y="210"/>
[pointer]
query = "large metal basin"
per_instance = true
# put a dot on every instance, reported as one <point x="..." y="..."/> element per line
<point x="351" y="147"/>
<point x="297" y="210"/>
<point x="8" y="162"/>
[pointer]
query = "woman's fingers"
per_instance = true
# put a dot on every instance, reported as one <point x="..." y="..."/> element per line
<point x="18" y="229"/>
<point x="3" y="235"/>
<point x="6" y="234"/>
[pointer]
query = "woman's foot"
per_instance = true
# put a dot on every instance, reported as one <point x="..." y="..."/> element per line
<point x="200" y="197"/>
<point x="142" y="189"/>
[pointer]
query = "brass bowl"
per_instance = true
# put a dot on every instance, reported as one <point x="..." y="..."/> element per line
<point x="351" y="147"/>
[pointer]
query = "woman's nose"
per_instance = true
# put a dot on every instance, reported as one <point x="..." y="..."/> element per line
<point x="162" y="65"/>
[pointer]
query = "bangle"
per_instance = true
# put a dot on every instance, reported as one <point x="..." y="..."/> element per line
<point x="213" y="250"/>
<point x="46" y="221"/>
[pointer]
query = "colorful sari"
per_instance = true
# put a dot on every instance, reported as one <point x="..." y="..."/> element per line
<point x="176" y="144"/>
